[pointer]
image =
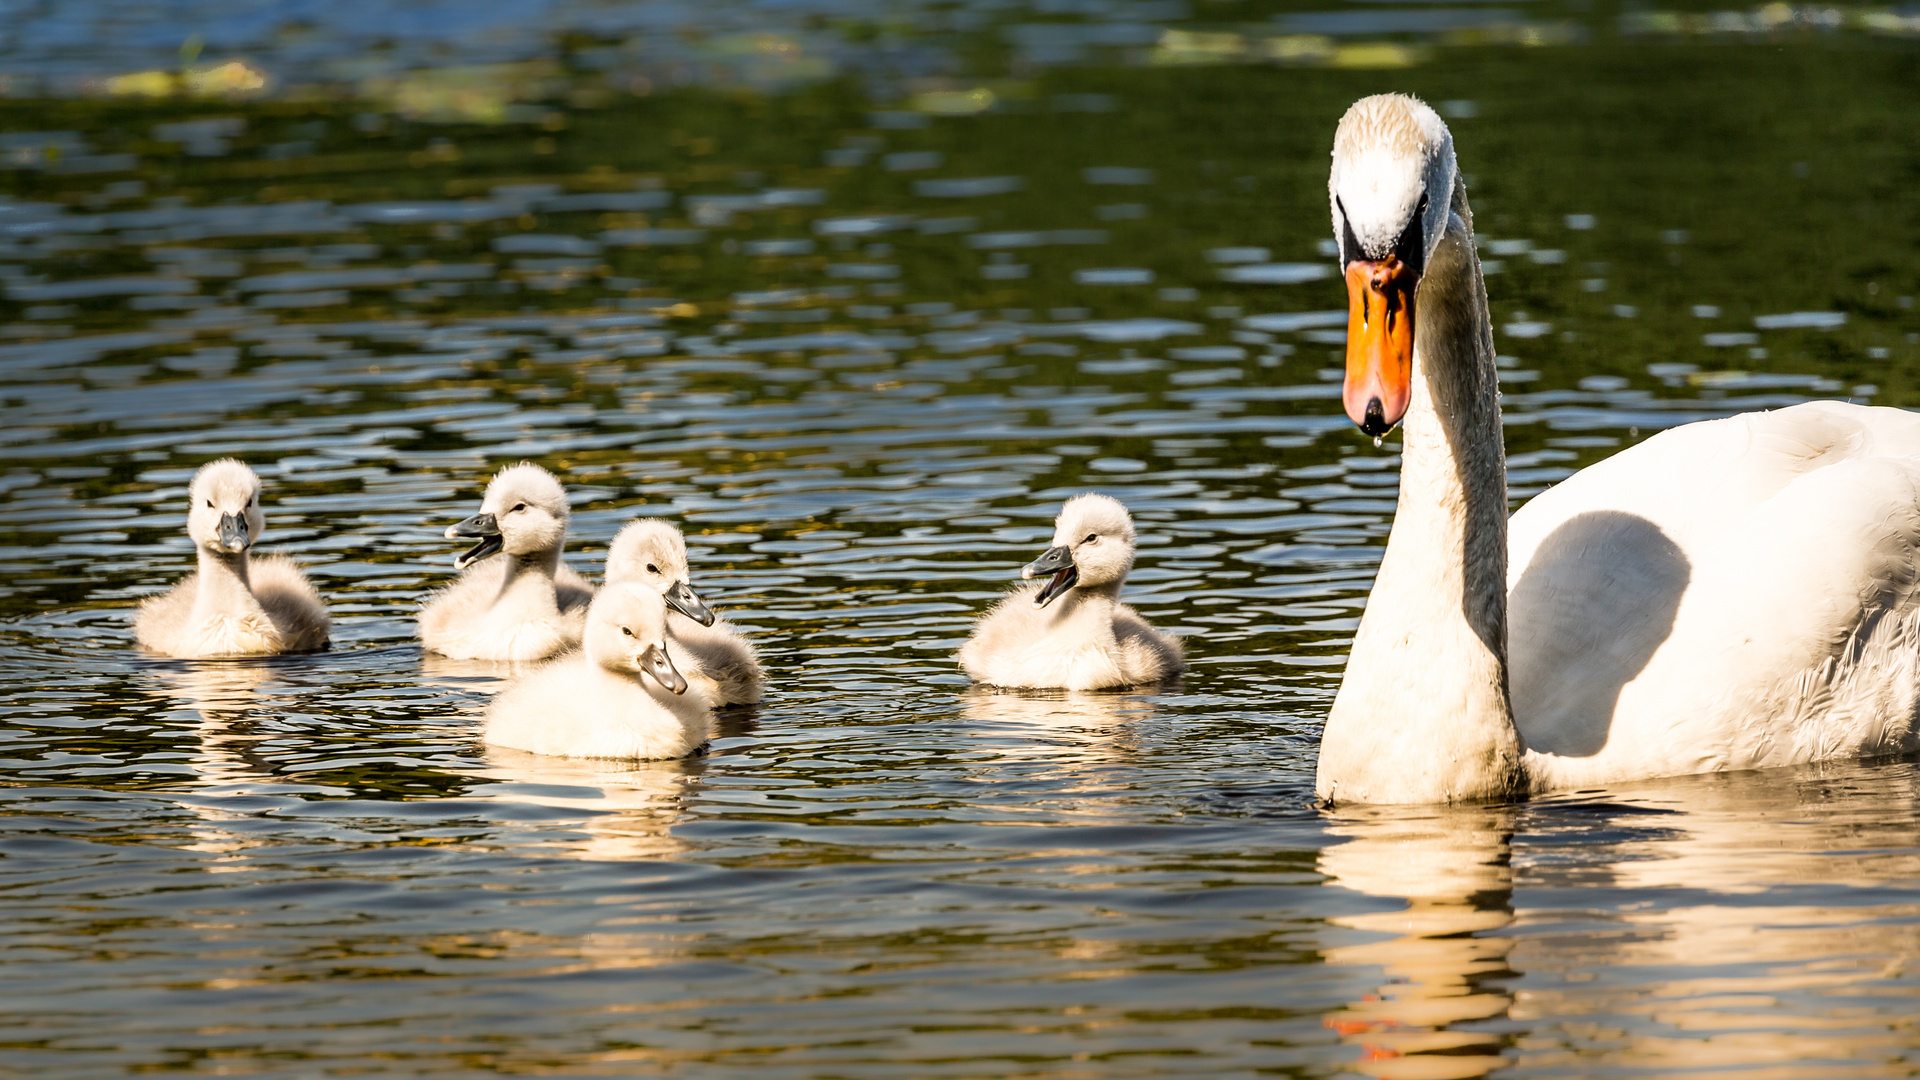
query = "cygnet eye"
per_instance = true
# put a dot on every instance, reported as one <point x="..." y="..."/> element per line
<point x="209" y="504"/>
<point x="627" y="631"/>
<point x="1092" y="538"/>
<point x="517" y="507"/>
<point x="652" y="569"/>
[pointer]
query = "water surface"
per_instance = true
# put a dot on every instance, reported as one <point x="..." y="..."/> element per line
<point x="860" y="333"/>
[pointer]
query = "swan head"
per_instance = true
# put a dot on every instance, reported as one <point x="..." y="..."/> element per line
<point x="524" y="511"/>
<point x="652" y="552"/>
<point x="1092" y="545"/>
<point x="1391" y="189"/>
<point x="224" y="515"/>
<point x="627" y="633"/>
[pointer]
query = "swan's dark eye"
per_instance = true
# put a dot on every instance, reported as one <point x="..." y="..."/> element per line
<point x="1093" y="538"/>
<point x="209" y="504"/>
<point x="1411" y="247"/>
<point x="517" y="507"/>
<point x="626" y="631"/>
<point x="652" y="569"/>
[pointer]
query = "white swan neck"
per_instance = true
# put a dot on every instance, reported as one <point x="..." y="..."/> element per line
<point x="1423" y="713"/>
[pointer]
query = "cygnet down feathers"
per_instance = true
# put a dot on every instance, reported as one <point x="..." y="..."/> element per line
<point x="619" y="697"/>
<point x="232" y="605"/>
<point x="1070" y="630"/>
<point x="710" y="651"/>
<point x="524" y="605"/>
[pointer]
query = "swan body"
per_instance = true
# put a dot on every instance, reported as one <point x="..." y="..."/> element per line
<point x="620" y="696"/>
<point x="232" y="605"/>
<point x="709" y="651"/>
<point x="523" y="605"/>
<point x="1071" y="631"/>
<point x="1731" y="594"/>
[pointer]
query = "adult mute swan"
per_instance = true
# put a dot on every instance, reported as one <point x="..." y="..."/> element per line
<point x="1071" y="631"/>
<point x="232" y="606"/>
<point x="619" y="697"/>
<point x="525" y="606"/>
<point x="1731" y="594"/>
<point x="715" y="655"/>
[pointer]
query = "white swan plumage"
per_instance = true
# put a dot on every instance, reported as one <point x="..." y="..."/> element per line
<point x="710" y="651"/>
<point x="1071" y="631"/>
<point x="232" y="605"/>
<point x="619" y="696"/>
<point x="524" y="604"/>
<point x="1732" y="594"/>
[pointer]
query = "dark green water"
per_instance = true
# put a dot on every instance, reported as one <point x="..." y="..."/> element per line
<point x="861" y="349"/>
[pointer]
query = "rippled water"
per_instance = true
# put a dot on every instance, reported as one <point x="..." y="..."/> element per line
<point x="861" y="347"/>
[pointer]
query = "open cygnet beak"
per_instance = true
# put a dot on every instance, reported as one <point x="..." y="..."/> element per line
<point x="233" y="533"/>
<point x="654" y="662"/>
<point x="484" y="526"/>
<point x="1058" y="561"/>
<point x="681" y="598"/>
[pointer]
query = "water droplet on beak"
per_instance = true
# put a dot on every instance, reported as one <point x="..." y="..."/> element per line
<point x="1376" y="442"/>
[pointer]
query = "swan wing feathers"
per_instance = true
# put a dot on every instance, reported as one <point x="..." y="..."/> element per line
<point x="291" y="601"/>
<point x="1733" y="594"/>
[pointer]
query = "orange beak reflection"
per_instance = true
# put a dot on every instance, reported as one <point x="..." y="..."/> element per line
<point x="1379" y="343"/>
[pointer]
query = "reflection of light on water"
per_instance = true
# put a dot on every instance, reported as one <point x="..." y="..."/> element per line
<point x="1053" y="723"/>
<point x="225" y="694"/>
<point x="627" y="808"/>
<point x="1454" y="869"/>
<point x="1714" y="977"/>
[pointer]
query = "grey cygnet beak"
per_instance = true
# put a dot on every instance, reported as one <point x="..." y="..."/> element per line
<point x="1057" y="561"/>
<point x="484" y="526"/>
<point x="233" y="533"/>
<point x="681" y="598"/>
<point x="654" y="662"/>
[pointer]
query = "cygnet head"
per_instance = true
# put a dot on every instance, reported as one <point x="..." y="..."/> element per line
<point x="627" y="633"/>
<point x="1092" y="545"/>
<point x="1392" y="191"/>
<point x="524" y="511"/>
<point x="652" y="552"/>
<point x="225" y="512"/>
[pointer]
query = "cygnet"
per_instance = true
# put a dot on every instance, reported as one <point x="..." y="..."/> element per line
<point x="711" y="652"/>
<point x="232" y="606"/>
<point x="525" y="605"/>
<point x="1071" y="631"/>
<point x="619" y="697"/>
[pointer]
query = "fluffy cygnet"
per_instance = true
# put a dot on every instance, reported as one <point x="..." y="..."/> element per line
<point x="524" y="605"/>
<point x="619" y="697"/>
<point x="1072" y="631"/>
<point x="710" y="651"/>
<point x="232" y="606"/>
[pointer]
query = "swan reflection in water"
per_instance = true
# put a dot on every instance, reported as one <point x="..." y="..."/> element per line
<point x="230" y="726"/>
<point x="1454" y="869"/>
<point x="615" y="811"/>
<point x="1766" y="922"/>
<point x="1093" y="726"/>
<point x="1726" y="924"/>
